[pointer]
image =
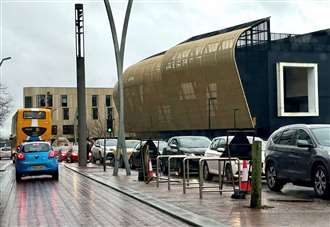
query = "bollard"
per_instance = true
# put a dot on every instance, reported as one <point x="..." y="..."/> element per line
<point x="256" y="175"/>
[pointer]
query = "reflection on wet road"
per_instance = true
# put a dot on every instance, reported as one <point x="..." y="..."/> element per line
<point x="75" y="201"/>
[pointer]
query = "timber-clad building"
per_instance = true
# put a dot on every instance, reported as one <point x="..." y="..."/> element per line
<point x="240" y="77"/>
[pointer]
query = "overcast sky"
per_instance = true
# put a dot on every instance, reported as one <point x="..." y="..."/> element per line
<point x="39" y="34"/>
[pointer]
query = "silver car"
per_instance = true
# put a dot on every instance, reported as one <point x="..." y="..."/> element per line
<point x="216" y="149"/>
<point x="98" y="150"/>
<point x="5" y="152"/>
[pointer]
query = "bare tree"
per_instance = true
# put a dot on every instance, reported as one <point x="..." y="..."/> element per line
<point x="5" y="101"/>
<point x="99" y="129"/>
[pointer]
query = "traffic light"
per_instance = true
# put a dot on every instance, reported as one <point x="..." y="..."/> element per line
<point x="109" y="125"/>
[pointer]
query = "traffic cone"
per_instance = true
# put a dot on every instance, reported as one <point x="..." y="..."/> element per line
<point x="245" y="182"/>
<point x="150" y="172"/>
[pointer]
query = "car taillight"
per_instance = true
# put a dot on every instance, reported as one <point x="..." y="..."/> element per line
<point x="20" y="156"/>
<point x="51" y="154"/>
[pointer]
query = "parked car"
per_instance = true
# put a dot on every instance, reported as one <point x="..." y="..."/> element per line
<point x="184" y="145"/>
<point x="135" y="159"/>
<point x="217" y="148"/>
<point x="73" y="154"/>
<point x="62" y="152"/>
<point x="36" y="158"/>
<point x="299" y="154"/>
<point x="98" y="150"/>
<point x="5" y="152"/>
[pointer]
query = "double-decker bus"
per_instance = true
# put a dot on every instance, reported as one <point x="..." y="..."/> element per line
<point x="30" y="124"/>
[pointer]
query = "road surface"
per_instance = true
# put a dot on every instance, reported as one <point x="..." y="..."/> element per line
<point x="72" y="201"/>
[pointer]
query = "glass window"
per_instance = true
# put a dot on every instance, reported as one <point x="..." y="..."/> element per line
<point x="276" y="137"/>
<point x="66" y="114"/>
<point x="214" y="144"/>
<point x="95" y="113"/>
<point x="54" y="130"/>
<point x="64" y="100"/>
<point x="194" y="142"/>
<point x="28" y="102"/>
<point x="36" y="147"/>
<point x="109" y="113"/>
<point x="34" y="115"/>
<point x="68" y="129"/>
<point x="287" y="137"/>
<point x="108" y="100"/>
<point x="297" y="89"/>
<point x="41" y="100"/>
<point x="94" y="100"/>
<point x="322" y="135"/>
<point x="49" y="100"/>
<point x="302" y="135"/>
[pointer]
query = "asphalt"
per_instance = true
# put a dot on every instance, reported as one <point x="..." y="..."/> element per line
<point x="293" y="206"/>
<point x="74" y="200"/>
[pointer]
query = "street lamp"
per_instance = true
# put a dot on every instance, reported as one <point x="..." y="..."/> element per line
<point x="210" y="99"/>
<point x="236" y="109"/>
<point x="4" y="59"/>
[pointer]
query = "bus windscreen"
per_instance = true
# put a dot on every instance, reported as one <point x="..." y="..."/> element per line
<point x="34" y="115"/>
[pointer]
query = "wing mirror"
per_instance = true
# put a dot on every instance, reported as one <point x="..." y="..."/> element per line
<point x="174" y="146"/>
<point x="221" y="149"/>
<point x="304" y="144"/>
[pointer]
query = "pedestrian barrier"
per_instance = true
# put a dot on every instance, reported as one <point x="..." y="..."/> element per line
<point x="203" y="188"/>
<point x="186" y="173"/>
<point x="167" y="180"/>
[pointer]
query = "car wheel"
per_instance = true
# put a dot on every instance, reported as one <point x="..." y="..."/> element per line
<point x="206" y="172"/>
<point x="18" y="177"/>
<point x="131" y="164"/>
<point x="273" y="182"/>
<point x="321" y="182"/>
<point x="93" y="159"/>
<point x="228" y="172"/>
<point x="101" y="159"/>
<point x="55" y="176"/>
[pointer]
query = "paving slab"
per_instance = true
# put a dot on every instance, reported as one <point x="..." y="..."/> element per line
<point x="294" y="206"/>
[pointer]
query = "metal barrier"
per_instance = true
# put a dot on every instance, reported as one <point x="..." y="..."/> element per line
<point x="169" y="158"/>
<point x="186" y="172"/>
<point x="220" y="187"/>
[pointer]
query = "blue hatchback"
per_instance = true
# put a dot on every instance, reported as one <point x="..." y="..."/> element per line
<point x="36" y="158"/>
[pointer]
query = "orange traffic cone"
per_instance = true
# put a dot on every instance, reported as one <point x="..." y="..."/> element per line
<point x="245" y="182"/>
<point x="150" y="172"/>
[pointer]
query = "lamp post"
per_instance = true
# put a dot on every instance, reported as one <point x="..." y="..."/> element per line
<point x="210" y="99"/>
<point x="236" y="109"/>
<point x="4" y="59"/>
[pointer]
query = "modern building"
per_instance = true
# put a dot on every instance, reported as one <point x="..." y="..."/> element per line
<point x="63" y="103"/>
<point x="239" y="77"/>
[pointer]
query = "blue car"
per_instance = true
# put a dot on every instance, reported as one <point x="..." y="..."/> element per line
<point x="36" y="158"/>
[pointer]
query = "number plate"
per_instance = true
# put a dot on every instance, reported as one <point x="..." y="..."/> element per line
<point x="37" y="167"/>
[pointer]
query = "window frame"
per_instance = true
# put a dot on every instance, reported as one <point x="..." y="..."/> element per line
<point x="313" y="97"/>
<point x="66" y="98"/>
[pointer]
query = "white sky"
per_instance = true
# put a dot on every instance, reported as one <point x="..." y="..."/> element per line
<point x="39" y="34"/>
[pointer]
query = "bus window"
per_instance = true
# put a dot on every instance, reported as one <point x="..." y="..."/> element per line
<point x="34" y="115"/>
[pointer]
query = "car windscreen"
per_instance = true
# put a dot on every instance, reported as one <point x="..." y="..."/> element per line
<point x="194" y="142"/>
<point x="132" y="143"/>
<point x="322" y="135"/>
<point x="34" y="115"/>
<point x="110" y="142"/>
<point x="36" y="147"/>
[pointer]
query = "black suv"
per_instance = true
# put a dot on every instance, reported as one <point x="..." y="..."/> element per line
<point x="299" y="154"/>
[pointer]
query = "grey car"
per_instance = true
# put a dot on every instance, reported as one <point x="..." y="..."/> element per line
<point x="299" y="154"/>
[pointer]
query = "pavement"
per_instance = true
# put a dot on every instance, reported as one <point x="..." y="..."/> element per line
<point x="293" y="206"/>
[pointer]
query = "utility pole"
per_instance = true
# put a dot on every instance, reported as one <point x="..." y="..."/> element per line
<point x="81" y="98"/>
<point x="119" y="53"/>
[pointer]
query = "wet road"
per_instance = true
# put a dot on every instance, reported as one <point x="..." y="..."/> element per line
<point x="72" y="201"/>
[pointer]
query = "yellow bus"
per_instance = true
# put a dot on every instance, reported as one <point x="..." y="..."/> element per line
<point x="30" y="124"/>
